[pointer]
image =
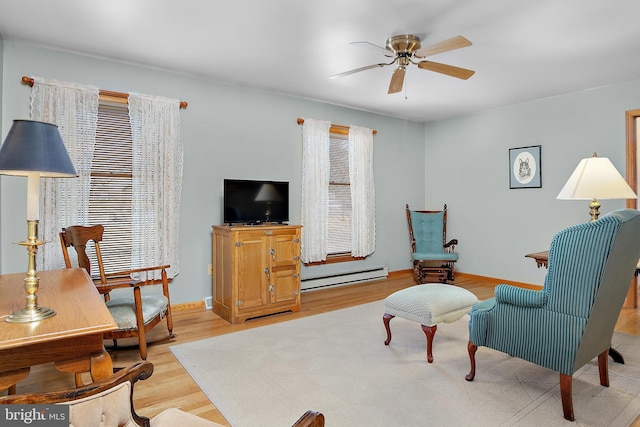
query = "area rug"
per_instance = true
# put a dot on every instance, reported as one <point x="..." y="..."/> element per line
<point x="337" y="363"/>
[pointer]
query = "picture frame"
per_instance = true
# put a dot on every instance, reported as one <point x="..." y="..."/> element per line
<point x="525" y="167"/>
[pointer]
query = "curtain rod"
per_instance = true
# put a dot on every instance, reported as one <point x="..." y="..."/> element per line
<point x="118" y="95"/>
<point x="340" y="129"/>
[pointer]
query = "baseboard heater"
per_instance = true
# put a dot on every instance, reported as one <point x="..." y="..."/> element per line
<point x="344" y="278"/>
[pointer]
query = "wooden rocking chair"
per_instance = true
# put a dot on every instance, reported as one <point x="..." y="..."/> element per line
<point x="433" y="257"/>
<point x="135" y="315"/>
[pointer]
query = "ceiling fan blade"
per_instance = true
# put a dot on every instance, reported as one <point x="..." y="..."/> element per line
<point x="453" y="43"/>
<point x="449" y="70"/>
<point x="357" y="70"/>
<point x="379" y="48"/>
<point x="397" y="80"/>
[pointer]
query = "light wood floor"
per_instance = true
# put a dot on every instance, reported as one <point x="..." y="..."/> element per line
<point x="171" y="386"/>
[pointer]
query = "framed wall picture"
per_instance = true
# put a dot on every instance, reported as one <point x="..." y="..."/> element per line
<point x="525" y="170"/>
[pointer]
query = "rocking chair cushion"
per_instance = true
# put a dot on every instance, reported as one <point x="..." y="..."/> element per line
<point x="123" y="310"/>
<point x="427" y="231"/>
<point x="434" y="256"/>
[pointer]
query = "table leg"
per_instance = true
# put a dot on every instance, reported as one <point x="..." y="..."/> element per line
<point x="99" y="365"/>
<point x="616" y="356"/>
<point x="8" y="380"/>
<point x="632" y="295"/>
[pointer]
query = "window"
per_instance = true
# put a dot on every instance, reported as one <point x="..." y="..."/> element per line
<point x="131" y="176"/>
<point x="111" y="183"/>
<point x="339" y="221"/>
<point x="338" y="197"/>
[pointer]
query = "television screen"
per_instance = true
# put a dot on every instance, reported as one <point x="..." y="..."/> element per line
<point x="255" y="202"/>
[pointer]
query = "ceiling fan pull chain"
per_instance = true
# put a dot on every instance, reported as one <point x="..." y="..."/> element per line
<point x="405" y="89"/>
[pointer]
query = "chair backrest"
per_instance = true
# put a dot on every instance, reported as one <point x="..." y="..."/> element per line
<point x="427" y="230"/>
<point x="590" y="269"/>
<point x="108" y="402"/>
<point x="79" y="236"/>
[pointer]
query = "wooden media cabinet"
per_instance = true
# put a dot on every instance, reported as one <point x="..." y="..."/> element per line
<point x="256" y="270"/>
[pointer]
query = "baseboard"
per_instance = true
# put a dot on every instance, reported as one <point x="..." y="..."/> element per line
<point x="400" y="273"/>
<point x="188" y="306"/>
<point x="409" y="272"/>
<point x="495" y="280"/>
<point x="392" y="275"/>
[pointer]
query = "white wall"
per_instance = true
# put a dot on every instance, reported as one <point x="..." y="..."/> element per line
<point x="228" y="132"/>
<point x="467" y="168"/>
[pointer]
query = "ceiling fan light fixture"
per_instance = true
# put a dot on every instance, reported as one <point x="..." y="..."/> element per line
<point x="404" y="43"/>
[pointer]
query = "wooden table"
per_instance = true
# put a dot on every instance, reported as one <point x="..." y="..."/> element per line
<point x="541" y="258"/>
<point x="72" y="339"/>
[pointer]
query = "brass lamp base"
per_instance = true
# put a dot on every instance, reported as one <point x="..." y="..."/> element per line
<point x="31" y="312"/>
<point x="594" y="207"/>
<point x="31" y="315"/>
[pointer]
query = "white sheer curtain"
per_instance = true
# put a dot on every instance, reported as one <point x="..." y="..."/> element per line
<point x="157" y="180"/>
<point x="363" y="201"/>
<point x="315" y="189"/>
<point x="74" y="108"/>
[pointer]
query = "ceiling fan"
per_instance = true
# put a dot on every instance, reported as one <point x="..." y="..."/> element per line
<point x="404" y="48"/>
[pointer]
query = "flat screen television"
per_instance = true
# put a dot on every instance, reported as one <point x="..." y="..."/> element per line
<point x="255" y="202"/>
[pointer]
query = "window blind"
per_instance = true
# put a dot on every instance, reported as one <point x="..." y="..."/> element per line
<point x="111" y="185"/>
<point x="339" y="221"/>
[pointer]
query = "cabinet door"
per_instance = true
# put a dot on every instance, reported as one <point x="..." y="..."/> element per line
<point x="285" y="268"/>
<point x="286" y="285"/>
<point x="251" y="259"/>
<point x="286" y="250"/>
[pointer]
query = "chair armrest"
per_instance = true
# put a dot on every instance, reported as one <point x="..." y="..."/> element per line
<point x="310" y="419"/>
<point x="136" y="270"/>
<point x="138" y="371"/>
<point x="451" y="242"/>
<point x="122" y="279"/>
<point x="105" y="288"/>
<point x="519" y="296"/>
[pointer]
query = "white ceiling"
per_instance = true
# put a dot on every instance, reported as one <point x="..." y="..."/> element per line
<point x="522" y="50"/>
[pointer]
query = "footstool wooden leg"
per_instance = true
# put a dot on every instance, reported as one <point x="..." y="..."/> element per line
<point x="386" y="319"/>
<point x="429" y="331"/>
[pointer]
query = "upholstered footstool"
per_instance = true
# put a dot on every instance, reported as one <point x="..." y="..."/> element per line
<point x="428" y="304"/>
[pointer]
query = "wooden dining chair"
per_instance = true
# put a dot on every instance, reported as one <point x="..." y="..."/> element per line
<point x="135" y="314"/>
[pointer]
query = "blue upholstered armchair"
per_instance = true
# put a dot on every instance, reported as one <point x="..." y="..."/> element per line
<point x="571" y="320"/>
<point x="433" y="257"/>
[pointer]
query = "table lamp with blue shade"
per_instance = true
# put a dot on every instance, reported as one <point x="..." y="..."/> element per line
<point x="35" y="150"/>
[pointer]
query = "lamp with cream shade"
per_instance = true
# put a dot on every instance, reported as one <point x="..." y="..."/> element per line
<point x="596" y="178"/>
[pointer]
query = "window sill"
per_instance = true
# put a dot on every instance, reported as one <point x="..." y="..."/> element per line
<point x="335" y="258"/>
